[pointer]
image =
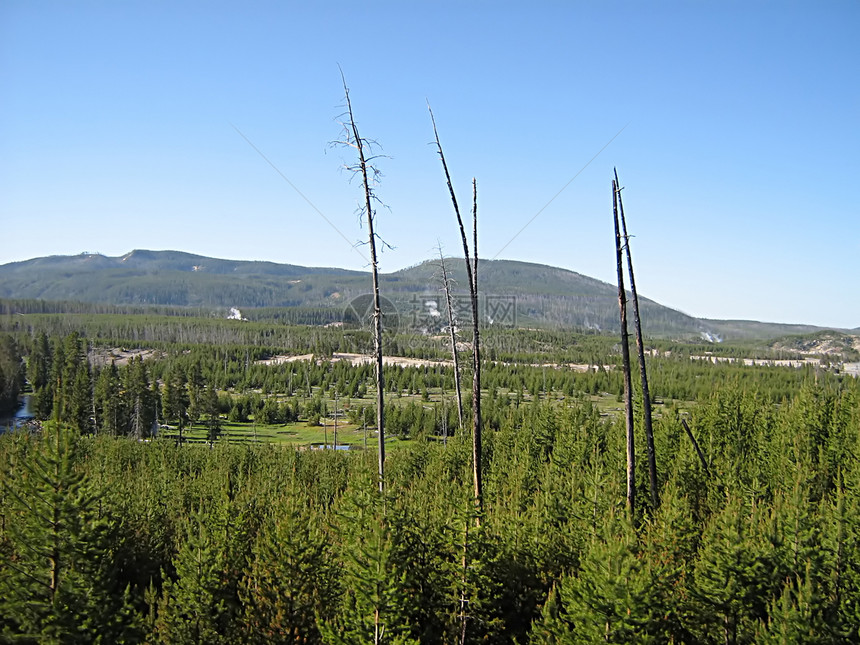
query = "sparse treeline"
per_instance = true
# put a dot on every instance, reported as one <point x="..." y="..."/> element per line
<point x="96" y="396"/>
<point x="275" y="332"/>
<point x="122" y="541"/>
<point x="94" y="392"/>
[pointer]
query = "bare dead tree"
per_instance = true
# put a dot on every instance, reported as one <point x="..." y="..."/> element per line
<point x="471" y="273"/>
<point x="335" y="418"/>
<point x="625" y="357"/>
<point x="137" y="419"/>
<point x="369" y="176"/>
<point x="446" y="286"/>
<point x="464" y="570"/>
<point x="476" y="354"/>
<point x="640" y="347"/>
<point x="696" y="446"/>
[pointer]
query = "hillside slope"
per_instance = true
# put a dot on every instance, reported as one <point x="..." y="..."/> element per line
<point x="514" y="293"/>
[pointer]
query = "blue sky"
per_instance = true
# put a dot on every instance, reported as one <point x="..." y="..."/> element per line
<point x="738" y="144"/>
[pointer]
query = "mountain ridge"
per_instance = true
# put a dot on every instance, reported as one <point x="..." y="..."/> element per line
<point x="542" y="295"/>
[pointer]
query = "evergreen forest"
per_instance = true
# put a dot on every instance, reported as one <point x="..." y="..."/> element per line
<point x="168" y="490"/>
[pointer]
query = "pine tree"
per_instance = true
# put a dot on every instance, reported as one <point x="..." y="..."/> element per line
<point x="212" y="413"/>
<point x="195" y="386"/>
<point x="106" y="393"/>
<point x="736" y="574"/>
<point x="58" y="382"/>
<point x="174" y="399"/>
<point x="473" y="601"/>
<point x="39" y="374"/>
<point x="373" y="604"/>
<point x="11" y="374"/>
<point x="58" y="585"/>
<point x="193" y="608"/>
<point x="288" y="580"/>
<point x="794" y="618"/>
<point x="81" y="402"/>
<point x="138" y="404"/>
<point x="607" y="600"/>
<point x="841" y="539"/>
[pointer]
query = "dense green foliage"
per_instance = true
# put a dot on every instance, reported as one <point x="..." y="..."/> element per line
<point x="193" y="382"/>
<point x="11" y="374"/>
<point x="175" y="543"/>
<point x="109" y="535"/>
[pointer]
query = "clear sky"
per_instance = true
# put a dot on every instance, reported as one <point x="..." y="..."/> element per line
<point x="738" y="144"/>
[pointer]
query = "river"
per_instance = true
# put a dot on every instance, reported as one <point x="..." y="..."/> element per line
<point x="21" y="417"/>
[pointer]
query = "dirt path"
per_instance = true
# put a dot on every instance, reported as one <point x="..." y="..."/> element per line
<point x="358" y="359"/>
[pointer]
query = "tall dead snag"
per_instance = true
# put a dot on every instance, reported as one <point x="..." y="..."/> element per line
<point x="472" y="276"/>
<point x="476" y="354"/>
<point x="625" y="357"/>
<point x="369" y="175"/>
<point x="640" y="347"/>
<point x="446" y="285"/>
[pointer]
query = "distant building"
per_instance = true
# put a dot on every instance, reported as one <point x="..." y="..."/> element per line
<point x="851" y="369"/>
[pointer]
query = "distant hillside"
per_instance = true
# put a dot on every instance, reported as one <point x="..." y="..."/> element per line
<point x="754" y="329"/>
<point x="169" y="278"/>
<point x="547" y="296"/>
<point x="161" y="261"/>
<point x="527" y="294"/>
<point x="844" y="345"/>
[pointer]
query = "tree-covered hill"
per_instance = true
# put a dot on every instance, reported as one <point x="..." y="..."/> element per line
<point x="542" y="296"/>
<point x="161" y="261"/>
<point x="170" y="278"/>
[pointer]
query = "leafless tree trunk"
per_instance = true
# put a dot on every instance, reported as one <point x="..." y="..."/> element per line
<point x="378" y="629"/>
<point x="476" y="353"/>
<point x="137" y="420"/>
<point x="96" y="426"/>
<point x="696" y="446"/>
<point x="464" y="569"/>
<point x="473" y="291"/>
<point x="646" y="394"/>
<point x="446" y="285"/>
<point x="625" y="357"/>
<point x="354" y="140"/>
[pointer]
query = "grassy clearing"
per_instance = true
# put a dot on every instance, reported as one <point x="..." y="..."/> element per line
<point x="298" y="433"/>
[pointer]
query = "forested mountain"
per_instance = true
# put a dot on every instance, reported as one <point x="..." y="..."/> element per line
<point x="168" y="491"/>
<point x="542" y="296"/>
<point x="168" y="278"/>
